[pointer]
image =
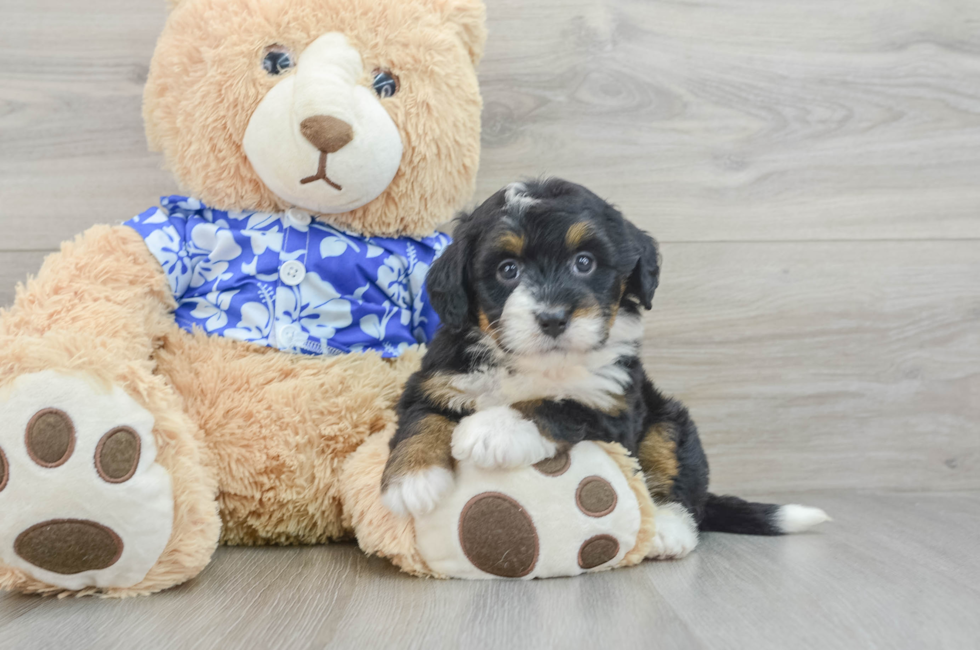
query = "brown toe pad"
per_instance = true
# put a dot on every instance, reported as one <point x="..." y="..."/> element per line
<point x="117" y="455"/>
<point x="50" y="437"/>
<point x="69" y="546"/>
<point x="597" y="550"/>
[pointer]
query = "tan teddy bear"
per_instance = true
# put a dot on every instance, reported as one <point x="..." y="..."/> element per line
<point x="204" y="372"/>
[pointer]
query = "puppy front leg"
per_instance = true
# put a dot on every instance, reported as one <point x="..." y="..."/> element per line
<point x="501" y="437"/>
<point x="419" y="471"/>
<point x="525" y="433"/>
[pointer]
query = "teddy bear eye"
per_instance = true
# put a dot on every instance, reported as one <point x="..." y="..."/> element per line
<point x="385" y="83"/>
<point x="277" y="61"/>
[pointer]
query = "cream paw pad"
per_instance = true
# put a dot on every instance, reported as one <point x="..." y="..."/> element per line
<point x="82" y="500"/>
<point x="582" y="510"/>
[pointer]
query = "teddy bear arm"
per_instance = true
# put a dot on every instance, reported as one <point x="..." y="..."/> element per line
<point x="105" y="284"/>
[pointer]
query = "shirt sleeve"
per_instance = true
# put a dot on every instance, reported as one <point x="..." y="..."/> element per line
<point x="166" y="237"/>
<point x="425" y="320"/>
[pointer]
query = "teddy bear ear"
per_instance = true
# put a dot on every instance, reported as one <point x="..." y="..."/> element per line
<point x="469" y="17"/>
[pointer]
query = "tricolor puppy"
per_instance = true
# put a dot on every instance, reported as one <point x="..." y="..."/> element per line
<point x="541" y="296"/>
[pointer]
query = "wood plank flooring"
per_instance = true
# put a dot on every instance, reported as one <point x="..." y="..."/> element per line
<point x="891" y="572"/>
<point x="812" y="171"/>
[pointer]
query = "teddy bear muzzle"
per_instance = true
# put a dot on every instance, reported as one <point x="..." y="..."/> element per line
<point x="320" y="139"/>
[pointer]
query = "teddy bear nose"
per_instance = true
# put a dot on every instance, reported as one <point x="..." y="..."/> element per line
<point x="327" y="133"/>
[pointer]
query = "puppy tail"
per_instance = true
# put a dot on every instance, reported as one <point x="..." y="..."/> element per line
<point x="727" y="514"/>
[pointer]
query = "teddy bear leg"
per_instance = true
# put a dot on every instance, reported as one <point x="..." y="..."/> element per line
<point x="103" y="481"/>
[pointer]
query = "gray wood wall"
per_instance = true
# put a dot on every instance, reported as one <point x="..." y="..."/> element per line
<point x="812" y="170"/>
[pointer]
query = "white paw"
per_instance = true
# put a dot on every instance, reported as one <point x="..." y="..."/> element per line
<point x="500" y="437"/>
<point x="794" y="518"/>
<point x="82" y="500"/>
<point x="676" y="535"/>
<point x="418" y="494"/>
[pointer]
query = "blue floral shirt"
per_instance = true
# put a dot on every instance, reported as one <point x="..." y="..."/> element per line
<point x="287" y="281"/>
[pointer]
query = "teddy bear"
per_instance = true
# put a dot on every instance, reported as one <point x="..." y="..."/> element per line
<point x="223" y="367"/>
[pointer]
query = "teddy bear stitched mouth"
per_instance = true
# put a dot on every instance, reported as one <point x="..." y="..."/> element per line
<point x="321" y="174"/>
<point x="329" y="135"/>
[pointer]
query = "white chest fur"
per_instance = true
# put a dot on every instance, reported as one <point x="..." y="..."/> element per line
<point x="594" y="378"/>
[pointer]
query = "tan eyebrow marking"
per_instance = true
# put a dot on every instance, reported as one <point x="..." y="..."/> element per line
<point x="511" y="242"/>
<point x="577" y="234"/>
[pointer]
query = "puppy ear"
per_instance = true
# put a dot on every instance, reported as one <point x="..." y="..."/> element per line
<point x="645" y="276"/>
<point x="448" y="279"/>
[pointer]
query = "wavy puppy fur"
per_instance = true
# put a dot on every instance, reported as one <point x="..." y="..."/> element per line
<point x="541" y="296"/>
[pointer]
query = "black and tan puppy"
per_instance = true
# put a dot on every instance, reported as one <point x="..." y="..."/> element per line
<point x="541" y="297"/>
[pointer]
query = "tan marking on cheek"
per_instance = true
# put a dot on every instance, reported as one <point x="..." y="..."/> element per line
<point x="511" y="242"/>
<point x="487" y="327"/>
<point x="614" y="312"/>
<point x="577" y="234"/>
<point x="589" y="311"/>
<point x="658" y="459"/>
<point x="430" y="446"/>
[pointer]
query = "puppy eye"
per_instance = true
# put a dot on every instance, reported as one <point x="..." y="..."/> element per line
<point x="277" y="60"/>
<point x="508" y="271"/>
<point x="385" y="83"/>
<point x="584" y="263"/>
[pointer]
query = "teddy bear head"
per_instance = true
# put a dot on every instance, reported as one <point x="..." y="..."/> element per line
<point x="365" y="113"/>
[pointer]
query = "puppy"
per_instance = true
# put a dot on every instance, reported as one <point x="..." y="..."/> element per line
<point x="541" y="297"/>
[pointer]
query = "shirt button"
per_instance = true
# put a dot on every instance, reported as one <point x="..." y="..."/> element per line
<point x="292" y="272"/>
<point x="298" y="218"/>
<point x="289" y="334"/>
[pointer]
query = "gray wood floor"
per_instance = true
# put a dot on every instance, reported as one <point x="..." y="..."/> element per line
<point x="812" y="170"/>
<point x="892" y="571"/>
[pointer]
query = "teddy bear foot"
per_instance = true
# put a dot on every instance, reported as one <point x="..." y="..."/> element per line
<point x="83" y="502"/>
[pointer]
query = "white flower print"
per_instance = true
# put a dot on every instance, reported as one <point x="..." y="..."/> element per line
<point x="377" y="327"/>
<point x="190" y="203"/>
<point x="158" y="216"/>
<point x="373" y="250"/>
<point x="213" y="309"/>
<point x="359" y="293"/>
<point x="393" y="280"/>
<point x="255" y="325"/>
<point x="213" y="246"/>
<point x="315" y="305"/>
<point x="336" y="243"/>
<point x="167" y="246"/>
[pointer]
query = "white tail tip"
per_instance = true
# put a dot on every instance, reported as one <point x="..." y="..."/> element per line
<point x="795" y="519"/>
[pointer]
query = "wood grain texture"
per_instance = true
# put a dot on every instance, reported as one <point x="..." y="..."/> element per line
<point x="72" y="149"/>
<point x="745" y="120"/>
<point x="791" y="158"/>
<point x="879" y="576"/>
<point x="834" y="364"/>
<point x="725" y="120"/>
<point x="811" y="170"/>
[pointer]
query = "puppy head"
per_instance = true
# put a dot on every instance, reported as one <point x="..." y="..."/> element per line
<point x="544" y="266"/>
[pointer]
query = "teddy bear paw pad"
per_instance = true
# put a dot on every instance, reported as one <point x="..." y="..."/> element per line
<point x="83" y="500"/>
<point x="567" y="514"/>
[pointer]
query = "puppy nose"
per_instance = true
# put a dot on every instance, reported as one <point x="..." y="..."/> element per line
<point x="326" y="132"/>
<point x="553" y="323"/>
